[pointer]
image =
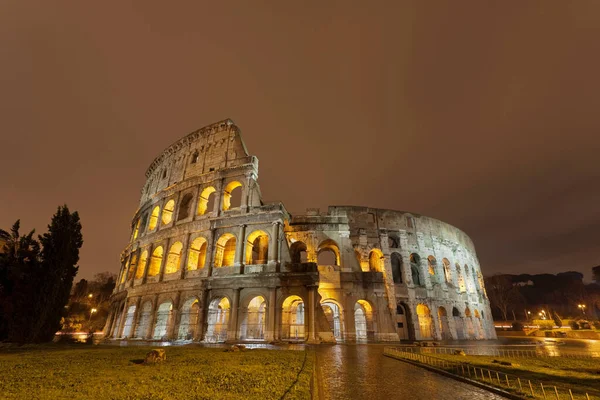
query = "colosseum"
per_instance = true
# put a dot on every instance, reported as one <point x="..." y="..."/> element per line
<point x="209" y="261"/>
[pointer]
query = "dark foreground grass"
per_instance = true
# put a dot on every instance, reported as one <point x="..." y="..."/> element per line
<point x="579" y="375"/>
<point x="103" y="372"/>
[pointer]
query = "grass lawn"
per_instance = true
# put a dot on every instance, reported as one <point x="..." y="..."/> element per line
<point x="579" y="375"/>
<point x="107" y="372"/>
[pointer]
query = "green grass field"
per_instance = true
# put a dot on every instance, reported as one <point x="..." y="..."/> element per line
<point x="103" y="372"/>
<point x="579" y="375"/>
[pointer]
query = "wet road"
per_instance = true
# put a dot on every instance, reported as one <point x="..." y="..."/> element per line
<point x="360" y="372"/>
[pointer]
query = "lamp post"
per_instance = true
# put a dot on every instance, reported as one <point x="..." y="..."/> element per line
<point x="92" y="311"/>
<point x="582" y="308"/>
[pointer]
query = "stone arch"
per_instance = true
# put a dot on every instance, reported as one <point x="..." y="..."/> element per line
<point x="333" y="313"/>
<point x="197" y="254"/>
<point x="143" y="325"/>
<point x="163" y="320"/>
<point x="408" y="326"/>
<point x="461" y="280"/>
<point x="443" y="322"/>
<point x="363" y="320"/>
<point x="117" y="325"/>
<point x="155" y="261"/>
<point x="431" y="268"/>
<point x="402" y="321"/>
<point x="132" y="265"/>
<point x="174" y="258"/>
<point x="206" y="202"/>
<point x="141" y="268"/>
<point x="225" y="253"/>
<point x="188" y="323"/>
<point x="136" y="229"/>
<point x="447" y="271"/>
<point x="185" y="206"/>
<point x="415" y="269"/>
<point x="167" y="214"/>
<point x="376" y="261"/>
<point x="254" y="319"/>
<point x="154" y="218"/>
<point x="219" y="311"/>
<point x="228" y="195"/>
<point x="293" y="318"/>
<point x="328" y="252"/>
<point x="257" y="247"/>
<point x="128" y="321"/>
<point x="425" y="321"/>
<point x="298" y="252"/>
<point x="397" y="266"/>
<point x="470" y="329"/>
<point x="458" y="323"/>
<point x="393" y="241"/>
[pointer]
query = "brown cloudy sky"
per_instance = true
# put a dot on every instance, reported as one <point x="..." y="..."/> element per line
<point x="483" y="114"/>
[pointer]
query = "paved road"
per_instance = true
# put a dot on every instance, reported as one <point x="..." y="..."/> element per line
<point x="360" y="372"/>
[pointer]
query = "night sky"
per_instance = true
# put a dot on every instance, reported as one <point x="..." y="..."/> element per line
<point x="485" y="115"/>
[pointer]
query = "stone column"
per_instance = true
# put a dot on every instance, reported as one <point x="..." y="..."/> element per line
<point x="148" y="260"/>
<point x="232" y="332"/>
<point x="274" y="245"/>
<point x="218" y="207"/>
<point x="195" y="202"/>
<point x="122" y="320"/>
<point x="202" y="316"/>
<point x="210" y="250"/>
<point x="163" y="262"/>
<point x="312" y="326"/>
<point x="150" y="331"/>
<point x="270" y="334"/>
<point x="109" y="323"/>
<point x="174" y="317"/>
<point x="184" y="257"/>
<point x="240" y="246"/>
<point x="135" y="317"/>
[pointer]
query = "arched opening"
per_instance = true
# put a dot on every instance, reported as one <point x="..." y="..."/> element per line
<point x="185" y="206"/>
<point x="141" y="268"/>
<point x="328" y="253"/>
<point x="468" y="284"/>
<point x="458" y="323"/>
<point x="174" y="258"/>
<point x="153" y="218"/>
<point x="141" y="330"/>
<point x="401" y="322"/>
<point x="225" y="254"/>
<point x="393" y="242"/>
<point x="136" y="229"/>
<point x="298" y="252"/>
<point x="132" y="266"/>
<point x="232" y="195"/>
<point x="155" y="261"/>
<point x="333" y="314"/>
<point x="397" y="268"/>
<point x="424" y="316"/>
<point x="432" y="265"/>
<point x="257" y="248"/>
<point x="254" y="320"/>
<point x="376" y="260"/>
<point x="469" y="324"/>
<point x="207" y="200"/>
<point x="197" y="254"/>
<point x="443" y="324"/>
<point x="447" y="271"/>
<point x="481" y="284"/>
<point x="164" y="319"/>
<point x="292" y="319"/>
<point x="188" y="322"/>
<point x="218" y="320"/>
<point x="195" y="157"/>
<point x="478" y="325"/>
<point x="363" y="315"/>
<point x="461" y="280"/>
<point x="128" y="322"/>
<point x="415" y="268"/>
<point x="167" y="214"/>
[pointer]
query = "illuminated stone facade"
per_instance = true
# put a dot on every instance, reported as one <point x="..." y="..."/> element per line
<point x="209" y="261"/>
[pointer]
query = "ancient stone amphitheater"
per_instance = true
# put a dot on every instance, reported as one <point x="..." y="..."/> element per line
<point x="209" y="261"/>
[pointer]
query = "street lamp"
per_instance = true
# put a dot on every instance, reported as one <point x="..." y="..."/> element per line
<point x="582" y="308"/>
<point x="92" y="311"/>
<point x="90" y="295"/>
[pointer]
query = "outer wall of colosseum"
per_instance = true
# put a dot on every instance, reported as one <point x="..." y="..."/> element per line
<point x="209" y="261"/>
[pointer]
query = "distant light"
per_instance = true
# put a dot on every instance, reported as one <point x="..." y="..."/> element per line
<point x="90" y="295"/>
<point x="93" y="310"/>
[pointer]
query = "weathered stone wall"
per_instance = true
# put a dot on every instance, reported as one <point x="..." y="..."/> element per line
<point x="201" y="266"/>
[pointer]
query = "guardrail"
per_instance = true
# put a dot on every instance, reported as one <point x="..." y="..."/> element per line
<point x="507" y="382"/>
<point x="513" y="353"/>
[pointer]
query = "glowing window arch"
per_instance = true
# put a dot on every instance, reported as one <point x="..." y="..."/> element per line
<point x="173" y="258"/>
<point x="155" y="261"/>
<point x="197" y="254"/>
<point x="154" y="218"/>
<point x="167" y="214"/>
<point x="376" y="260"/>
<point x="227" y="193"/>
<point x="139" y="273"/>
<point x="326" y="246"/>
<point x="257" y="247"/>
<point x="225" y="253"/>
<point x="204" y="199"/>
<point x="447" y="270"/>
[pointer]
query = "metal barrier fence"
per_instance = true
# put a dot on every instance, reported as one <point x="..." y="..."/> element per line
<point x="513" y="353"/>
<point x="508" y="382"/>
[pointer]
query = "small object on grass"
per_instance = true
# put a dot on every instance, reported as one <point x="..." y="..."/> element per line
<point x="237" y="347"/>
<point x="459" y="353"/>
<point x="155" y="355"/>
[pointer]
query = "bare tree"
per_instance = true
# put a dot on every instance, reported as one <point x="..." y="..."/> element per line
<point x="502" y="294"/>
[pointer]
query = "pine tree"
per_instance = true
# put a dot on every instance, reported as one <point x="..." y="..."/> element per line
<point x="58" y="267"/>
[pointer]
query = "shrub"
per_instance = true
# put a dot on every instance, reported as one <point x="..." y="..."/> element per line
<point x="596" y="325"/>
<point x="574" y="325"/>
<point x="517" y="326"/>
